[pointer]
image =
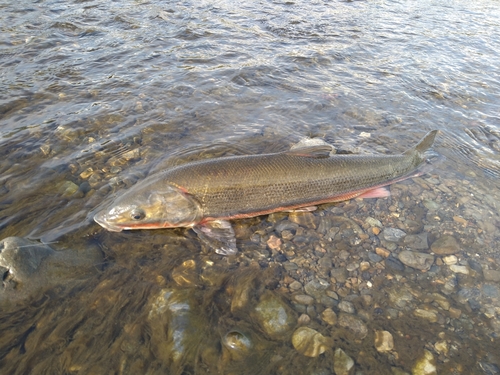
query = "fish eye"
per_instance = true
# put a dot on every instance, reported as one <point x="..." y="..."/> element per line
<point x="137" y="214"/>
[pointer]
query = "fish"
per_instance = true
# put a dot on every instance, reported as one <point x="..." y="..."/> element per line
<point x="205" y="195"/>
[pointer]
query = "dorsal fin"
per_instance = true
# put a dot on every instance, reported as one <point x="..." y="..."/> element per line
<point x="311" y="148"/>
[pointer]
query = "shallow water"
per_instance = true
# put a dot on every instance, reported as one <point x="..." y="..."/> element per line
<point x="94" y="96"/>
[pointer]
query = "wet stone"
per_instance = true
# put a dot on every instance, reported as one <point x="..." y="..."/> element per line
<point x="274" y="316"/>
<point x="417" y="241"/>
<point x="316" y="288"/>
<point x="332" y="232"/>
<point x="491" y="275"/>
<point x="450" y="259"/>
<point x="413" y="227"/>
<point x="274" y="243"/>
<point x="310" y="342"/>
<point x="384" y="341"/>
<point x="340" y="274"/>
<point x="329" y="316"/>
<point x="303" y="299"/>
<point x="382" y="252"/>
<point x="328" y="301"/>
<point x="346" y="307"/>
<point x="429" y="315"/>
<point x="394" y="264"/>
<point x="417" y="260"/>
<point x="425" y="365"/>
<point x="237" y="341"/>
<point x="290" y="266"/>
<point x="354" y="324"/>
<point x="400" y="296"/>
<point x="459" y="269"/>
<point x="430" y="205"/>
<point x="303" y="320"/>
<point x="441" y="347"/>
<point x="445" y="245"/>
<point x="295" y="285"/>
<point x="491" y="291"/>
<point x="373" y="222"/>
<point x="287" y="235"/>
<point x="342" y="363"/>
<point x="374" y="257"/>
<point x="392" y="234"/>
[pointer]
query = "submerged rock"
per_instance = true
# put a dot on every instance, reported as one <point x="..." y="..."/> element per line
<point x="310" y="342"/>
<point x="445" y="245"/>
<point x="353" y="324"/>
<point x="342" y="363"/>
<point x="383" y="341"/>
<point x="274" y="316"/>
<point x="425" y="365"/>
<point x="28" y="267"/>
<point x="237" y="342"/>
<point x="414" y="259"/>
<point x="316" y="288"/>
<point x="392" y="234"/>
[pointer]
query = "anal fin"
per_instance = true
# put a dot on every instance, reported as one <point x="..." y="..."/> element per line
<point x="380" y="192"/>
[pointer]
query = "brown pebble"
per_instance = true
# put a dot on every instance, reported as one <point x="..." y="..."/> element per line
<point x="454" y="313"/>
<point x="274" y="242"/>
<point x="460" y="220"/>
<point x="376" y="231"/>
<point x="382" y="252"/>
<point x="303" y="319"/>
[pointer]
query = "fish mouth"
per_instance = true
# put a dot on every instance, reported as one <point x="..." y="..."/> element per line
<point x="100" y="218"/>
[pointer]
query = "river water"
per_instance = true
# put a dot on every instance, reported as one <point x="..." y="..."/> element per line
<point x="95" y="96"/>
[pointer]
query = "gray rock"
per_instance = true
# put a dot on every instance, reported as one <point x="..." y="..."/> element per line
<point x="373" y="222"/>
<point x="316" y="288"/>
<point x="392" y="234"/>
<point x="303" y="299"/>
<point x="491" y="275"/>
<point x="417" y="241"/>
<point x="354" y="324"/>
<point x="340" y="274"/>
<point x="413" y="227"/>
<point x="430" y="205"/>
<point x="374" y="257"/>
<point x="347" y="307"/>
<point x="445" y="245"/>
<point x="394" y="264"/>
<point x="414" y="259"/>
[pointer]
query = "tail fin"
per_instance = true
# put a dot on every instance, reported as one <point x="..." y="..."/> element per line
<point x="425" y="144"/>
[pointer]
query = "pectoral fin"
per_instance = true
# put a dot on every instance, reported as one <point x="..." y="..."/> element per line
<point x="218" y="235"/>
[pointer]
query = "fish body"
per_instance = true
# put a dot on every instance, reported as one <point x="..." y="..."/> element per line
<point x="207" y="193"/>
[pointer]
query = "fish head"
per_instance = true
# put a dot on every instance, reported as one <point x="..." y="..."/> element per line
<point x="151" y="208"/>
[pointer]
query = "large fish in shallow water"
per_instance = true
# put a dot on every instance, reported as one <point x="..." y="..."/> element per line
<point x="206" y="194"/>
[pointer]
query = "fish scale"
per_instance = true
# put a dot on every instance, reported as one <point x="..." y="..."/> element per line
<point x="239" y="185"/>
